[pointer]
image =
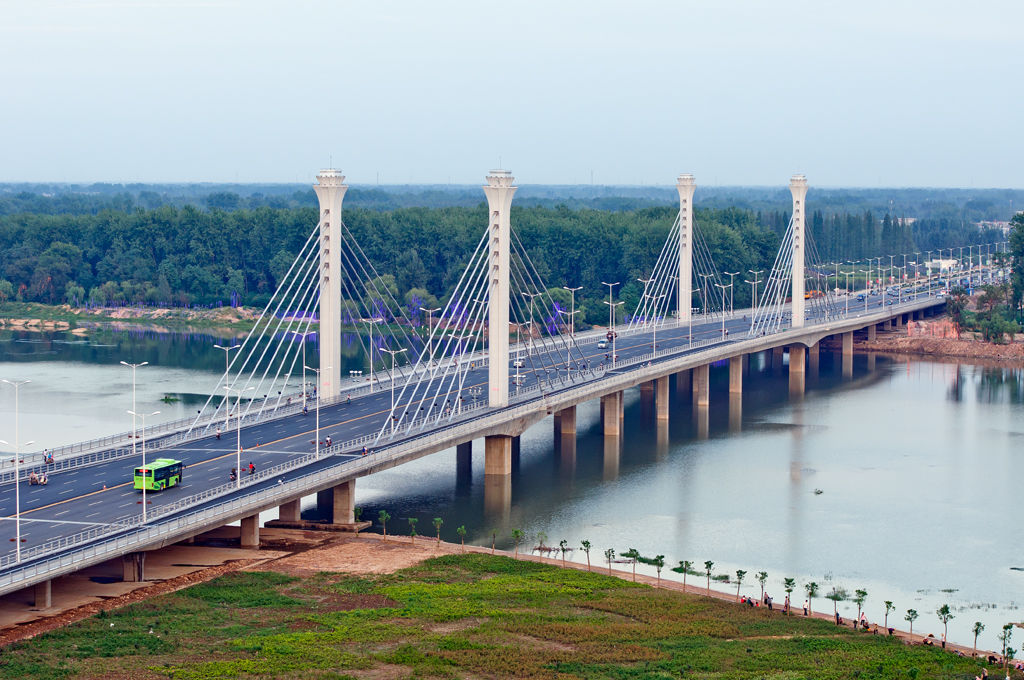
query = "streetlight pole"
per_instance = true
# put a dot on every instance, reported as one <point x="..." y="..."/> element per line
<point x="730" y="275"/>
<point x="847" y="275"/>
<point x="143" y="416"/>
<point x="430" y="332"/>
<point x="572" y="308"/>
<point x="654" y="338"/>
<point x="704" y="292"/>
<point x="866" y="293"/>
<point x="304" y="336"/>
<point x="393" y="353"/>
<point x="133" y="367"/>
<point x="611" y="307"/>
<point x="723" y="287"/>
<point x="17" y="462"/>
<point x="646" y="282"/>
<point x="369" y="351"/>
<point x="568" y="345"/>
<point x="227" y="351"/>
<point x="529" y="348"/>
<point x="316" y="448"/>
<point x="238" y="428"/>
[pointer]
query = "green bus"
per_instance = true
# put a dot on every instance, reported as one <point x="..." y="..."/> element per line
<point x="160" y="474"/>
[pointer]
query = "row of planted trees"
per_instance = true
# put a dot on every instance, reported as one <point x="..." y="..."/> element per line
<point x="632" y="557"/>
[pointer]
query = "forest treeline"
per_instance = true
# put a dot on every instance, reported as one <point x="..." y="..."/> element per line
<point x="188" y="255"/>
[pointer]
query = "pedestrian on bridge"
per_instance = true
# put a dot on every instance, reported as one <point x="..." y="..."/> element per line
<point x="252" y="468"/>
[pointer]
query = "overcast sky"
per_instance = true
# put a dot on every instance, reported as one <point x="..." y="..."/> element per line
<point x="884" y="93"/>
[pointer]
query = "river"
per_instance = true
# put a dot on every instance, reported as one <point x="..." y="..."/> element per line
<point x="901" y="480"/>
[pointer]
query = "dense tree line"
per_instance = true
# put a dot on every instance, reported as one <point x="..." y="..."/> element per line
<point x="188" y="255"/>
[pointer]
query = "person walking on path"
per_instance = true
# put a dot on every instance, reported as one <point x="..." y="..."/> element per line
<point x="805" y="607"/>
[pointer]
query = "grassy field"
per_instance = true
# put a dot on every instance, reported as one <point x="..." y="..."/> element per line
<point x="460" y="616"/>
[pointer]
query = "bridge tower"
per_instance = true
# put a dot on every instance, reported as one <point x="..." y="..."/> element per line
<point x="499" y="191"/>
<point x="798" y="187"/>
<point x="330" y="191"/>
<point x="686" y="185"/>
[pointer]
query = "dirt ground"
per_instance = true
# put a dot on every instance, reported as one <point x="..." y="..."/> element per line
<point x="362" y="554"/>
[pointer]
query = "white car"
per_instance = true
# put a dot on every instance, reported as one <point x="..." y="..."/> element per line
<point x="602" y="344"/>
<point x="518" y="363"/>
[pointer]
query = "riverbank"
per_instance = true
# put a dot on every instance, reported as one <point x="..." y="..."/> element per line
<point x="931" y="339"/>
<point x="369" y="608"/>
<point x="30" y="316"/>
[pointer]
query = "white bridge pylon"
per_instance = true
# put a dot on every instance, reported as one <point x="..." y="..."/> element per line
<point x="499" y="192"/>
<point x="330" y="191"/>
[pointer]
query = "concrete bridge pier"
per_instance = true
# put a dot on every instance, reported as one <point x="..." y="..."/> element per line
<point x="42" y="595"/>
<point x="813" y="357"/>
<point x="133" y="567"/>
<point x="290" y="511"/>
<point x="735" y="375"/>
<point x="611" y="420"/>
<point x="249" y="534"/>
<point x="872" y="332"/>
<point x="777" y="353"/>
<point x="701" y="385"/>
<point x="661" y="398"/>
<point x="797" y="370"/>
<point x="498" y="475"/>
<point x="337" y="504"/>
<point x="565" y="422"/>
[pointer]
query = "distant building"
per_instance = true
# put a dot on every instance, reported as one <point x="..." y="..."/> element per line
<point x="996" y="224"/>
<point x="905" y="221"/>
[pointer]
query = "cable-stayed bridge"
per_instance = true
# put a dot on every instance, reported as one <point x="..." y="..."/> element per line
<point x="499" y="355"/>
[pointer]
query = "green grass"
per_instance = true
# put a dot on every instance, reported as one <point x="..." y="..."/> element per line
<point x="462" y="616"/>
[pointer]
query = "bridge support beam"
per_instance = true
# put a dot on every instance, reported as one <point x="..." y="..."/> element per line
<point x="848" y="344"/>
<point x="777" y="354"/>
<point x="497" y="475"/>
<point x="899" y="321"/>
<point x="497" y="455"/>
<point x="611" y="408"/>
<point x="133" y="567"/>
<point x="735" y="375"/>
<point x="250" y="532"/>
<point x="565" y="422"/>
<point x="813" y="356"/>
<point x="344" y="503"/>
<point x="42" y="595"/>
<point x="872" y="332"/>
<point x="797" y="369"/>
<point x="701" y="385"/>
<point x="661" y="398"/>
<point x="499" y="192"/>
<point x="290" y="511"/>
<point x="330" y="191"/>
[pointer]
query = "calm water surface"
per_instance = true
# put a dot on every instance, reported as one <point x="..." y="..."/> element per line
<point x="918" y="465"/>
